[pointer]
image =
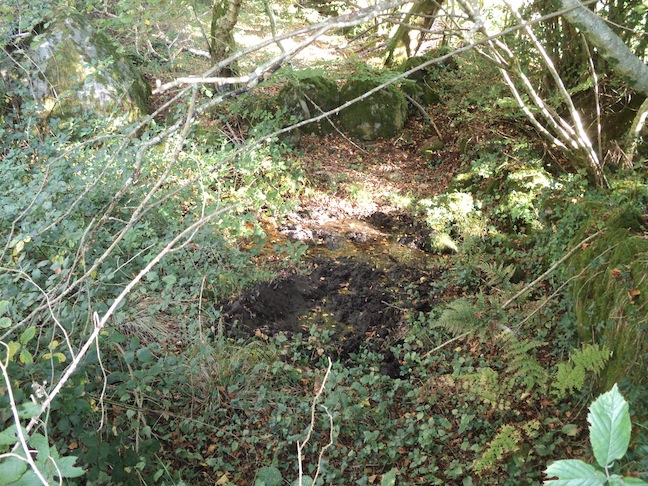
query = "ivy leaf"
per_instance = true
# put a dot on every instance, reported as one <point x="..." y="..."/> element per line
<point x="389" y="479"/>
<point x="573" y="472"/>
<point x="610" y="427"/>
<point x="144" y="355"/>
<point x="268" y="476"/>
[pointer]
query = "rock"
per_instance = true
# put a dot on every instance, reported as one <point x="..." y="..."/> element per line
<point x="381" y="115"/>
<point x="307" y="96"/>
<point x="431" y="146"/>
<point x="78" y="72"/>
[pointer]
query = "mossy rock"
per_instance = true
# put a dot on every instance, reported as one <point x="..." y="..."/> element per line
<point x="381" y="115"/>
<point x="611" y="293"/>
<point x="79" y="72"/>
<point x="307" y="96"/>
<point x="422" y="93"/>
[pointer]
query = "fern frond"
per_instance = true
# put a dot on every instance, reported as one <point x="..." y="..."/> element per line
<point x="523" y="367"/>
<point x="487" y="386"/>
<point x="463" y="315"/>
<point x="506" y="442"/>
<point x="570" y="376"/>
<point x="496" y="274"/>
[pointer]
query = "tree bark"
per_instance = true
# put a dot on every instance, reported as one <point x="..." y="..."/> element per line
<point x="610" y="46"/>
<point x="224" y="17"/>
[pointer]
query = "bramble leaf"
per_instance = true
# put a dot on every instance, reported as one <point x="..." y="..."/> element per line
<point x="574" y="472"/>
<point x="609" y="427"/>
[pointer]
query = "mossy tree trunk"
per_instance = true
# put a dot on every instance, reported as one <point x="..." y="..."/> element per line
<point x="410" y="33"/>
<point x="224" y="17"/>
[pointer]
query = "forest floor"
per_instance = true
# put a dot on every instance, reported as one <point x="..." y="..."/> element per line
<point x="368" y="264"/>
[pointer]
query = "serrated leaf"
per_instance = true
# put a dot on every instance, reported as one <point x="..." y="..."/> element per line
<point x="389" y="478"/>
<point x="28" y="335"/>
<point x="67" y="467"/>
<point x="39" y="442"/>
<point x="8" y="436"/>
<point x="268" y="476"/>
<point x="28" y="410"/>
<point x="573" y="472"/>
<point x="11" y="469"/>
<point x="610" y="427"/>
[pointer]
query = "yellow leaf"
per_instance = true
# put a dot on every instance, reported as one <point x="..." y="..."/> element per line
<point x="223" y="480"/>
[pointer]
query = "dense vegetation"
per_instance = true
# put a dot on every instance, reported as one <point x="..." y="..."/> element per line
<point x="124" y="244"/>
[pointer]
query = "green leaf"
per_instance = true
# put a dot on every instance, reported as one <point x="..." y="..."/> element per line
<point x="8" y="436"/>
<point x="268" y="476"/>
<point x="129" y="357"/>
<point x="4" y="306"/>
<point x="28" y="410"/>
<point x="610" y="427"/>
<point x="26" y="357"/>
<point x="169" y="280"/>
<point x="573" y="472"/>
<point x="5" y="322"/>
<point x="306" y="481"/>
<point x="11" y="469"/>
<point x="616" y="480"/>
<point x="389" y="478"/>
<point x="68" y="469"/>
<point x="144" y="355"/>
<point x="39" y="442"/>
<point x="28" y="335"/>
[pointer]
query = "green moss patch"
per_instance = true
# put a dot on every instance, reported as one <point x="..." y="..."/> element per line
<point x="611" y="293"/>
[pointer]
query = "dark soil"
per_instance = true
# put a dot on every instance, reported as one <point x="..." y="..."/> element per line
<point x="360" y="295"/>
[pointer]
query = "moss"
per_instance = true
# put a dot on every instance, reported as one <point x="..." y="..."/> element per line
<point x="381" y="115"/>
<point x="307" y="96"/>
<point x="84" y="74"/>
<point x="611" y="293"/>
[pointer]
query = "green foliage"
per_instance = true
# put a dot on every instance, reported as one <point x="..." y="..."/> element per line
<point x="610" y="288"/>
<point x="523" y="368"/>
<point x="505" y="442"/>
<point x="609" y="429"/>
<point x="570" y="376"/>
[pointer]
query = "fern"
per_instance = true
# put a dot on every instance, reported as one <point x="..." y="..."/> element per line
<point x="571" y="376"/>
<point x="464" y="315"/>
<point x="506" y="442"/>
<point x="523" y="367"/>
<point x="496" y="274"/>
<point x="487" y="386"/>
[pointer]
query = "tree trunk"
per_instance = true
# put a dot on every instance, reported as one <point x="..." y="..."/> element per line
<point x="408" y="37"/>
<point x="224" y="17"/>
<point x="610" y="46"/>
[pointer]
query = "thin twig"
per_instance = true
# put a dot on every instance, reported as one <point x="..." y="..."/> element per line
<point x="552" y="268"/>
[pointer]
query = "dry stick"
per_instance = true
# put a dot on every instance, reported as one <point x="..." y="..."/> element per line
<point x="311" y="427"/>
<point x="425" y="114"/>
<point x="552" y="268"/>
